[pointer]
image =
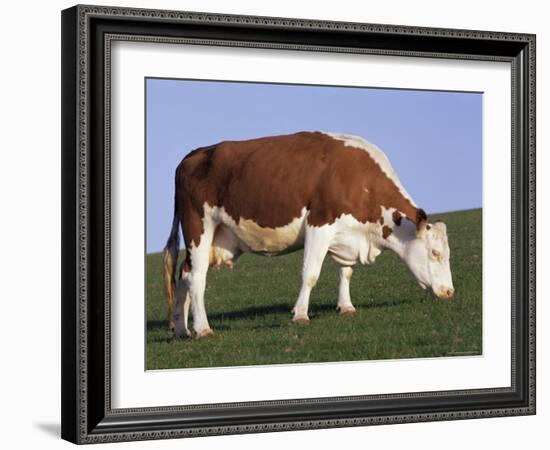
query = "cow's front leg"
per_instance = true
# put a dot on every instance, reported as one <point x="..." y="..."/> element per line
<point x="344" y="305"/>
<point x="317" y="242"/>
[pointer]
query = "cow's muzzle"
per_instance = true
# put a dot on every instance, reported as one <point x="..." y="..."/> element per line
<point x="445" y="293"/>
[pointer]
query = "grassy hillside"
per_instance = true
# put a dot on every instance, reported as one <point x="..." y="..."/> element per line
<point x="249" y="311"/>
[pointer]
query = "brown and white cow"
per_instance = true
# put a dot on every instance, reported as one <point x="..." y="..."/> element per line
<point x="326" y="193"/>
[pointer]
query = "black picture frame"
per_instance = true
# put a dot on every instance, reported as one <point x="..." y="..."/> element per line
<point x="87" y="416"/>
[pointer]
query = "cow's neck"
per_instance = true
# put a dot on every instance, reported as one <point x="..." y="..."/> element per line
<point x="400" y="237"/>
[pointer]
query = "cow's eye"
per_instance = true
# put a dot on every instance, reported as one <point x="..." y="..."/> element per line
<point x="436" y="254"/>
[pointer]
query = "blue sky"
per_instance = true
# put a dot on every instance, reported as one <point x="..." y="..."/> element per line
<point x="432" y="139"/>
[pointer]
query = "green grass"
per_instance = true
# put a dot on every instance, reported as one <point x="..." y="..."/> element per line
<point x="249" y="311"/>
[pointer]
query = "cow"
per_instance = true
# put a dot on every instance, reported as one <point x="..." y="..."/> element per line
<point x="322" y="192"/>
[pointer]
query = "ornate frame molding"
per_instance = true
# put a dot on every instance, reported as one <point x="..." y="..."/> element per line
<point x="83" y="420"/>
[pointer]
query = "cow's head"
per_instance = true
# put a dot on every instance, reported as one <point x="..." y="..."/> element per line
<point x="427" y="256"/>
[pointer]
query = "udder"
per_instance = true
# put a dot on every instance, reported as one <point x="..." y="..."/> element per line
<point x="225" y="249"/>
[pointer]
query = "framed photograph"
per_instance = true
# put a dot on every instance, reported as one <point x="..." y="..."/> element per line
<point x="279" y="224"/>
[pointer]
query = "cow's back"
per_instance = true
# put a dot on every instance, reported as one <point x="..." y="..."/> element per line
<point x="271" y="180"/>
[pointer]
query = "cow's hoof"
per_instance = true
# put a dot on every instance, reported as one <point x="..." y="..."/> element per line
<point x="186" y="334"/>
<point x="301" y="320"/>
<point x="347" y="311"/>
<point x="205" y="333"/>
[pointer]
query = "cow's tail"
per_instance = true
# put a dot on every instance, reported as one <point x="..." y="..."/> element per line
<point x="170" y="260"/>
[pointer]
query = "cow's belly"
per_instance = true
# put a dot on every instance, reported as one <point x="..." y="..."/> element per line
<point x="251" y="237"/>
<point x="270" y="241"/>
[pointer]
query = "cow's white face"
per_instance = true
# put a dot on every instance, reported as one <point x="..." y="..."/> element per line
<point x="427" y="257"/>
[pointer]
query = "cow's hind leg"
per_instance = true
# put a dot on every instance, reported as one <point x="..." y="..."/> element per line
<point x="181" y="310"/>
<point x="199" y="259"/>
<point x="344" y="305"/>
<point x="317" y="242"/>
